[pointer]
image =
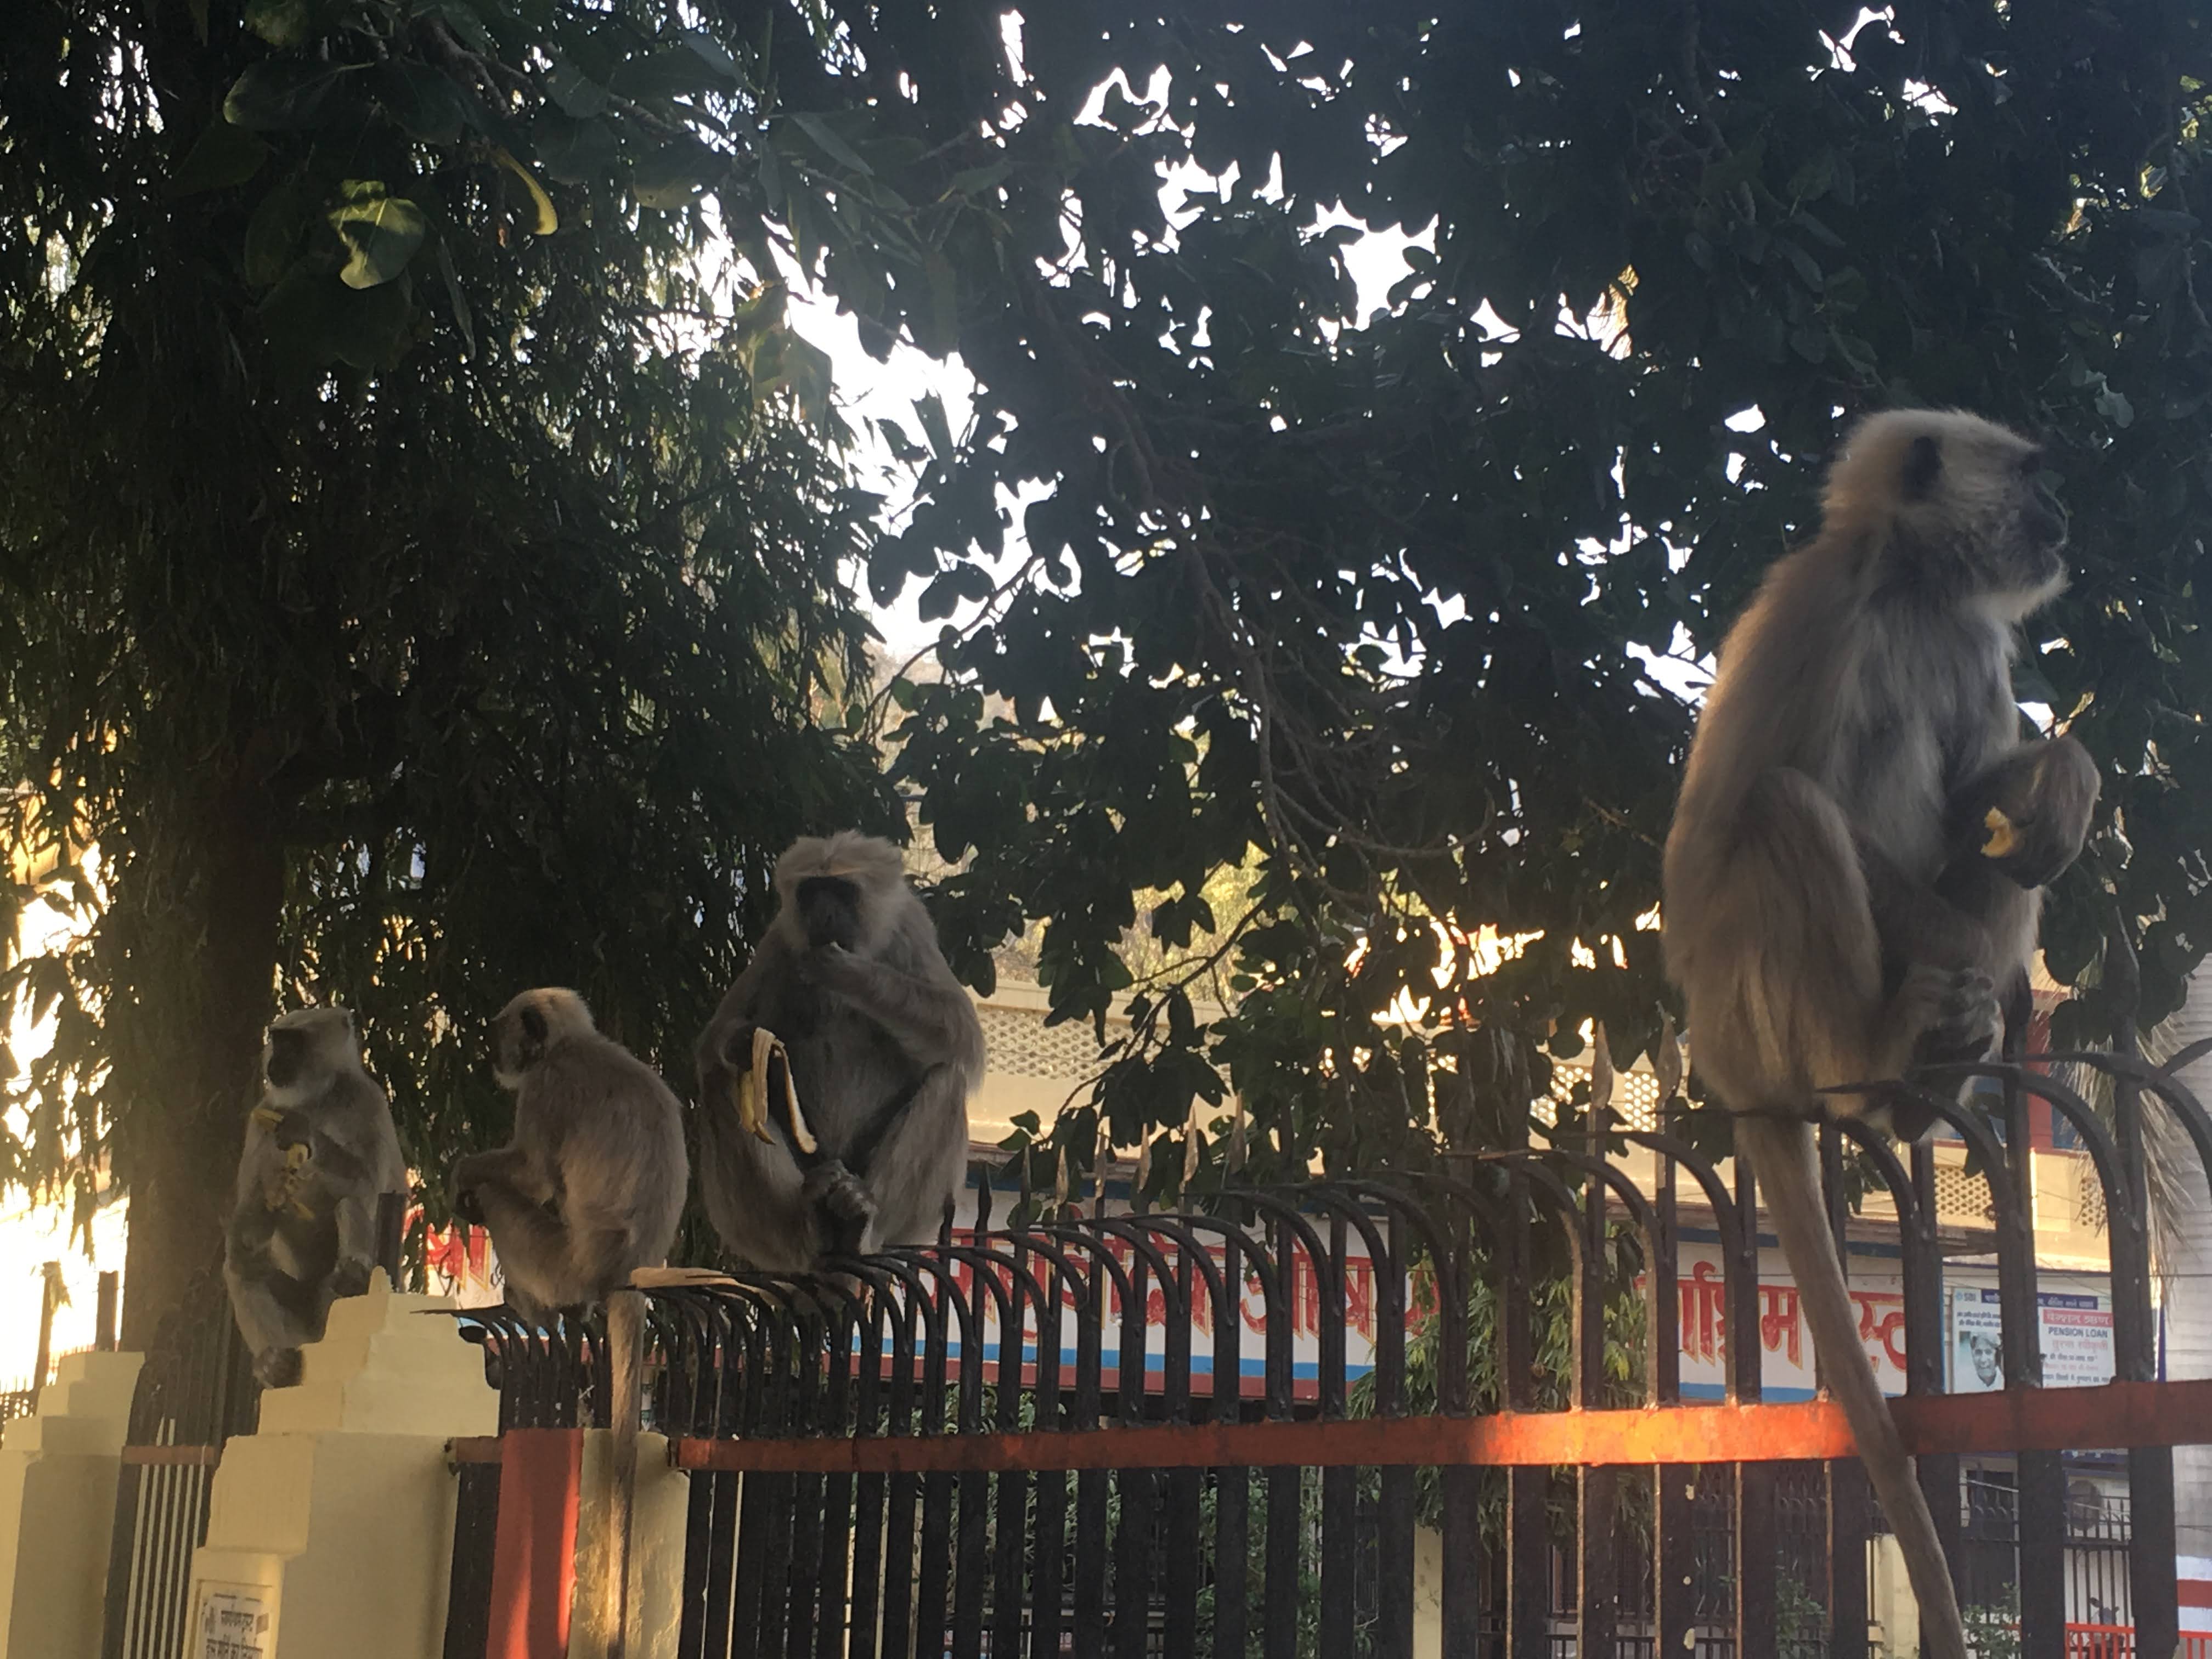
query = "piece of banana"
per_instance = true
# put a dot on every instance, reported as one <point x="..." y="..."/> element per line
<point x="752" y="1091"/>
<point x="2001" y="838"/>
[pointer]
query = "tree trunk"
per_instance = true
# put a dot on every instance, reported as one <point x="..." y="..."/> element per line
<point x="192" y="1004"/>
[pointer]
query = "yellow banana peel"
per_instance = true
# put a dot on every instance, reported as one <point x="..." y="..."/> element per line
<point x="753" y="1086"/>
<point x="2000" y="837"/>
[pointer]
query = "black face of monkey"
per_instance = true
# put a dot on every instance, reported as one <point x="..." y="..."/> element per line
<point x="1993" y="511"/>
<point x="287" y="1058"/>
<point x="517" y="1041"/>
<point x="829" y="910"/>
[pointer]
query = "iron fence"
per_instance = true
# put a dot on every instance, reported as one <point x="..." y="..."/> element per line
<point x="987" y="1447"/>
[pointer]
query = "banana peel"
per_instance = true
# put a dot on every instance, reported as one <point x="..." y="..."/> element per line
<point x="2001" y="837"/>
<point x="753" y="1086"/>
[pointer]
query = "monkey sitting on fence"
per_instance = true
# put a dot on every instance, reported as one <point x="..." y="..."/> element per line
<point x="1851" y="883"/>
<point x="592" y="1185"/>
<point x="880" y="1046"/>
<point x="320" y="1151"/>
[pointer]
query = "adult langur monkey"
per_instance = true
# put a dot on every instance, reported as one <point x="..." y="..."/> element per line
<point x="587" y="1192"/>
<point x="875" y="1046"/>
<point x="1851" y="883"/>
<point x="319" y="1151"/>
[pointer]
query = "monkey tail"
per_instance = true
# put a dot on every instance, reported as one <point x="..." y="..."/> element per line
<point x="1788" y="1167"/>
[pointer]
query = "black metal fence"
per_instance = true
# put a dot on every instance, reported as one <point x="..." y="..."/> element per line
<point x="960" y="1450"/>
<point x="195" y="1390"/>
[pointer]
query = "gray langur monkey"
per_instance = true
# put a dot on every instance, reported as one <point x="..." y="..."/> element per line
<point x="882" y="1047"/>
<point x="319" y="1151"/>
<point x="592" y="1185"/>
<point x="1851" y="883"/>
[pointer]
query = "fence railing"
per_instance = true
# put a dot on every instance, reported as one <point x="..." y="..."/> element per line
<point x="987" y="1446"/>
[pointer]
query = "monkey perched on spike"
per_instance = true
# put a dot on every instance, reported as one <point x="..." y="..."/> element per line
<point x="1851" y="880"/>
<point x="880" y="1046"/>
<point x="591" y="1186"/>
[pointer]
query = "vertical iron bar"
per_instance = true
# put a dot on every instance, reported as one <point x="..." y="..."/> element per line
<point x="1673" y="1544"/>
<point x="391" y="1234"/>
<point x="1598" y="1489"/>
<point x="1281" y="1592"/>
<point x="2042" y="1494"/>
<point x="1339" y="1519"/>
<point x="1845" y="1477"/>
<point x="1183" y="1485"/>
<point x="2153" y="1586"/>
<point x="1232" y="1487"/>
<point x="1461" y="1489"/>
<point x="1133" y="1543"/>
<point x="1755" y="1514"/>
<point x="1394" y="1588"/>
<point x="1529" y="1542"/>
<point x="1924" y="1273"/>
<point x="104" y="1321"/>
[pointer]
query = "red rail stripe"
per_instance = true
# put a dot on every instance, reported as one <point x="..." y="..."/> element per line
<point x="2118" y="1414"/>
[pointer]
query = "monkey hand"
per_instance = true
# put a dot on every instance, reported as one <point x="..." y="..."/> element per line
<point x="291" y="1128"/>
<point x="1954" y="1012"/>
<point x="834" y="968"/>
<point x="2035" y="809"/>
<point x="350" y="1279"/>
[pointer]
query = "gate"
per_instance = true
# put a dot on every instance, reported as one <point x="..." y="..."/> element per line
<point x="195" y="1390"/>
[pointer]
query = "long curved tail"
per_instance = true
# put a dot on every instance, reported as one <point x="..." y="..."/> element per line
<point x="1788" y="1167"/>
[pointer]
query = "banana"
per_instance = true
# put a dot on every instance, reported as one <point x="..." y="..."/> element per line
<point x="752" y="1091"/>
<point x="2001" y="838"/>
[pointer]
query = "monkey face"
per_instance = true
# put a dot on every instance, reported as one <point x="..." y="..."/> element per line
<point x="284" y="1061"/>
<point x="829" y="911"/>
<point x="1981" y="502"/>
<point x="518" y="1041"/>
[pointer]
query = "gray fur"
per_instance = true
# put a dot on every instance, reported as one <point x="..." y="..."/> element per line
<point x="1828" y="913"/>
<point x="592" y="1185"/>
<point x="284" y="1269"/>
<point x="867" y="1008"/>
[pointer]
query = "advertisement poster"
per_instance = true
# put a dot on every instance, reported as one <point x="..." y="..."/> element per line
<point x="2076" y="1330"/>
<point x="233" y="1623"/>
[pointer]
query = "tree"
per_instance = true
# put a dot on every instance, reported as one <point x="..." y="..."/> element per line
<point x="415" y="591"/>
<point x="1374" y="603"/>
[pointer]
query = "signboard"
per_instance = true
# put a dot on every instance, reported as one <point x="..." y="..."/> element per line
<point x="236" y="1621"/>
<point x="2076" y="1329"/>
<point x="1785" y="1344"/>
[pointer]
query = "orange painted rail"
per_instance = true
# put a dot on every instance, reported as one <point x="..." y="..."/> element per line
<point x="2118" y="1414"/>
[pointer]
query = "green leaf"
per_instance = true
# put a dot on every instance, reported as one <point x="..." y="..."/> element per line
<point x="974" y="181"/>
<point x="280" y="95"/>
<point x="579" y="96"/>
<point x="827" y="140"/>
<point x="463" y="318"/>
<point x="383" y="231"/>
<point x="938" y="327"/>
<point x="273" y="234"/>
<point x="224" y="156"/>
<point x="425" y="102"/>
<point x="934" y="426"/>
<point x="282" y="23"/>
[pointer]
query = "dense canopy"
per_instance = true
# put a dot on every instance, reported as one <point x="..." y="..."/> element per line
<point x="1393" y="613"/>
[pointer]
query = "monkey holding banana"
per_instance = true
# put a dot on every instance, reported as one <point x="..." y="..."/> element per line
<point x="321" y="1150"/>
<point x="1852" y="879"/>
<point x="592" y="1185"/>
<point x="850" y="1032"/>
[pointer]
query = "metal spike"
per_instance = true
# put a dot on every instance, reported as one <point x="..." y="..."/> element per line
<point x="1668" y="1061"/>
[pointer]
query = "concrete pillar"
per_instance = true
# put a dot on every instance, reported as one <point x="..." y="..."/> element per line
<point x="330" y="1532"/>
<point x="656" y="1553"/>
<point x="1889" y="1599"/>
<point x="57" y="1473"/>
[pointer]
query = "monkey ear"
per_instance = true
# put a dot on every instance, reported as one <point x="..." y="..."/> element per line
<point x="1923" y="465"/>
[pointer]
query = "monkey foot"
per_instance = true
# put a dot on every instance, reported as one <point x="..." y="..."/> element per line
<point x="844" y="1203"/>
<point x="277" y="1368"/>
